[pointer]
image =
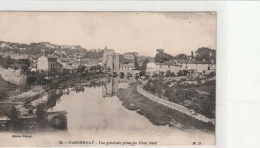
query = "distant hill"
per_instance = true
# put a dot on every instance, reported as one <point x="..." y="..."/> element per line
<point x="37" y="49"/>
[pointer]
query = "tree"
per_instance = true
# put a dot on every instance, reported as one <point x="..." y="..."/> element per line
<point x="81" y="69"/>
<point x="173" y="74"/>
<point x="13" y="122"/>
<point x="181" y="57"/>
<point x="161" y="74"/>
<point x="205" y="53"/>
<point x="168" y="73"/>
<point x="137" y="67"/>
<point x="9" y="60"/>
<point x="41" y="115"/>
<point x="24" y="68"/>
<point x="93" y="68"/>
<point x="144" y="65"/>
<point x="182" y="73"/>
<point x="161" y="56"/>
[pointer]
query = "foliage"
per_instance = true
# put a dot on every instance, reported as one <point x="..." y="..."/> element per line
<point x="96" y="68"/>
<point x="81" y="69"/>
<point x="144" y="65"/>
<point x="212" y="74"/>
<point x="41" y="115"/>
<point x="5" y="88"/>
<point x="161" y="56"/>
<point x="94" y="54"/>
<point x="181" y="57"/>
<point x="8" y="62"/>
<point x="136" y="63"/>
<point x="205" y="53"/>
<point x="59" y="122"/>
<point x="3" y="94"/>
<point x="13" y="122"/>
<point x="169" y="74"/>
<point x="182" y="73"/>
<point x="124" y="60"/>
<point x="180" y="94"/>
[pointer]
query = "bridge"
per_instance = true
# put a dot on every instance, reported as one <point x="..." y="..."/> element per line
<point x="111" y="63"/>
<point x="125" y="72"/>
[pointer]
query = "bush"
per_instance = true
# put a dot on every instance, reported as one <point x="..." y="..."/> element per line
<point x="212" y="74"/>
<point x="41" y="115"/>
<point x="182" y="73"/>
<point x="59" y="122"/>
<point x="168" y="73"/>
<point x="13" y="122"/>
<point x="3" y="94"/>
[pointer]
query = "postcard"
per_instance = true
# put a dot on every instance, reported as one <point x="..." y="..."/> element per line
<point x="107" y="78"/>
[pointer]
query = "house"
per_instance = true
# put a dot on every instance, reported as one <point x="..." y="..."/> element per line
<point x="130" y="55"/>
<point x="42" y="63"/>
<point x="48" y="63"/>
<point x="66" y="64"/>
<point x="151" y="68"/>
<point x="177" y="65"/>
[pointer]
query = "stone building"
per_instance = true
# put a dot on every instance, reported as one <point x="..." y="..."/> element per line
<point x="48" y="63"/>
<point x="110" y="60"/>
<point x="177" y="65"/>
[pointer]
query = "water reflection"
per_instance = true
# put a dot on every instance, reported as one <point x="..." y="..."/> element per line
<point x="110" y="89"/>
<point x="90" y="109"/>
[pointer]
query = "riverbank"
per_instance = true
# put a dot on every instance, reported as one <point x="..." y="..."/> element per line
<point x="157" y="113"/>
<point x="71" y="81"/>
<point x="174" y="106"/>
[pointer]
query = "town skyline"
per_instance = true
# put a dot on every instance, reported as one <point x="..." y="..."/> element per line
<point x="141" y="32"/>
<point x="99" y="49"/>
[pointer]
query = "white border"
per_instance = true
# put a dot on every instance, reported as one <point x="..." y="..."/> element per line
<point x="219" y="7"/>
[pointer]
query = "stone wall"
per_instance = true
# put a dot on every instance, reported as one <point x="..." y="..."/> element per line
<point x="174" y="106"/>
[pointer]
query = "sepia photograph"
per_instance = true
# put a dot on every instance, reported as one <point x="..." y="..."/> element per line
<point x="108" y="78"/>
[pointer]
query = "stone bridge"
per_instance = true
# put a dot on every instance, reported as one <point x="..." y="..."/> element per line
<point x="127" y="72"/>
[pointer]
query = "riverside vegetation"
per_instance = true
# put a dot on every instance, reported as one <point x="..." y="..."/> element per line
<point x="196" y="92"/>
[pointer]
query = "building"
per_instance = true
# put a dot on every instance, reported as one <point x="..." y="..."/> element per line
<point x="151" y="68"/>
<point x="42" y="63"/>
<point x="66" y="64"/>
<point x="177" y="65"/>
<point x="48" y="63"/>
<point x="130" y="55"/>
<point x="110" y="60"/>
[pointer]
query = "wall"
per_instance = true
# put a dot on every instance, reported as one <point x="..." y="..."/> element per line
<point x="42" y="63"/>
<point x="174" y="106"/>
<point x="176" y="68"/>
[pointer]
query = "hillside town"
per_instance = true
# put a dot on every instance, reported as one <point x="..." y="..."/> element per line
<point x="29" y="72"/>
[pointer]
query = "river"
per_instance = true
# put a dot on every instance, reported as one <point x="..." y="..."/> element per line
<point x="97" y="110"/>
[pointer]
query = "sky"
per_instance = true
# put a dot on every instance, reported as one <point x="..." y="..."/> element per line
<point x="143" y="32"/>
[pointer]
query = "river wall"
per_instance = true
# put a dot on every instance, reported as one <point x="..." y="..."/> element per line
<point x="174" y="106"/>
